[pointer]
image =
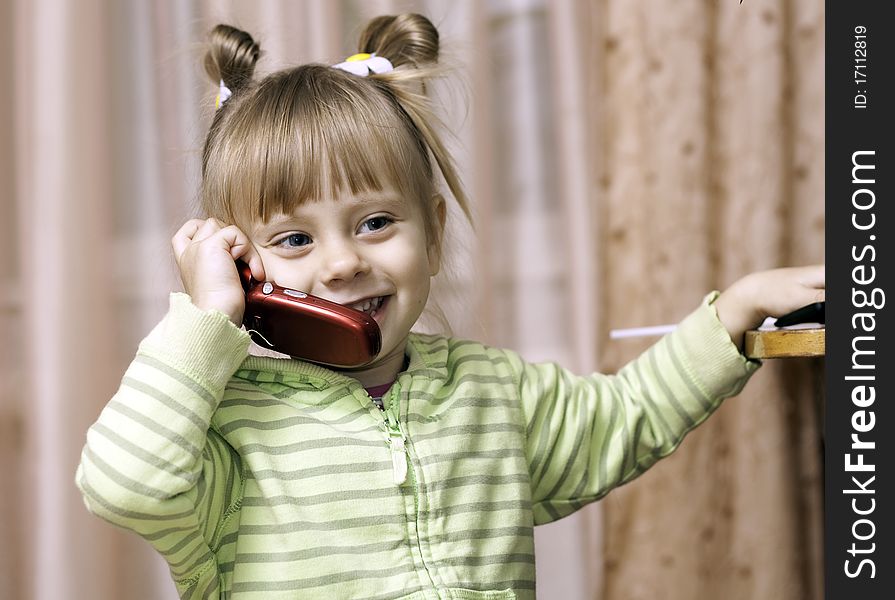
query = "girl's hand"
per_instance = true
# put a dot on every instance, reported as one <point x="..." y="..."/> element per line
<point x="750" y="300"/>
<point x="205" y="252"/>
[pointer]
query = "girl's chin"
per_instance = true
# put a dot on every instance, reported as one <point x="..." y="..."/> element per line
<point x="391" y="357"/>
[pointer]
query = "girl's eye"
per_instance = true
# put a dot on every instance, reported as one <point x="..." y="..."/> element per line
<point x="295" y="240"/>
<point x="375" y="224"/>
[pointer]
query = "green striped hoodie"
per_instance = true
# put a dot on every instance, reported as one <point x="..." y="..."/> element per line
<point x="257" y="477"/>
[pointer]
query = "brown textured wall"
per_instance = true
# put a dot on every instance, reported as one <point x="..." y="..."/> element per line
<point x="712" y="150"/>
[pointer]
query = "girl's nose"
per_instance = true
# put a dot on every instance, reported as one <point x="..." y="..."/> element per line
<point x="343" y="262"/>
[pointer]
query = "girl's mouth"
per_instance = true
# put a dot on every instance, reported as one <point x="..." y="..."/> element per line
<point x="371" y="306"/>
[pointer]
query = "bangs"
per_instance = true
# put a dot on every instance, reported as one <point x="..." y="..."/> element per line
<point x="308" y="134"/>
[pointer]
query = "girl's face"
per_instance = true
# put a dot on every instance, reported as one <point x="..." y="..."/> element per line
<point x="368" y="251"/>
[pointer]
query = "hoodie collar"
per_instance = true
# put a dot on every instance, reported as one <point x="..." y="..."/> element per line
<point x="427" y="358"/>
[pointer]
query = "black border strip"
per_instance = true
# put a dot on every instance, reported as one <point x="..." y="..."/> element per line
<point x="858" y="435"/>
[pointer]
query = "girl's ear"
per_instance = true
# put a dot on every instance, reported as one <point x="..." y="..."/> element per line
<point x="434" y="246"/>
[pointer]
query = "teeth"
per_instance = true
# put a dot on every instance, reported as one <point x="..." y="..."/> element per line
<point x="368" y="305"/>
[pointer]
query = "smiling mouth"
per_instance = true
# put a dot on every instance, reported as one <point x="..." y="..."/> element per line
<point x="369" y="306"/>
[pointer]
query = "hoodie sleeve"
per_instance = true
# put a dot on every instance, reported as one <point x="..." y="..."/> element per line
<point x="150" y="463"/>
<point x="588" y="435"/>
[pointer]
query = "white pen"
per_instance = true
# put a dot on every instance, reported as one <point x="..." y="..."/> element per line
<point x="616" y="334"/>
<point x="767" y="325"/>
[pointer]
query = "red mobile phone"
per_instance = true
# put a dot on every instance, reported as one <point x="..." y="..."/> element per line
<point x="307" y="327"/>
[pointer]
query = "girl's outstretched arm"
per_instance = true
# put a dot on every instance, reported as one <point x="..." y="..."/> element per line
<point x="746" y="303"/>
<point x="587" y="435"/>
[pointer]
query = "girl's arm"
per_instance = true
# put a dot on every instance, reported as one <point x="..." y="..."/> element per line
<point x="150" y="463"/>
<point x="588" y="435"/>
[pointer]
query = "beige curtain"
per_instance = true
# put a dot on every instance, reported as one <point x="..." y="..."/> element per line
<point x="623" y="157"/>
<point x="711" y="153"/>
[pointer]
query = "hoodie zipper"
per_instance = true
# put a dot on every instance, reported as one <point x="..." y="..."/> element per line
<point x="400" y="468"/>
<point x="397" y="440"/>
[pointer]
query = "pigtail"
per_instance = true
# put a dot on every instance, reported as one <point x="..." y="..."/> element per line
<point x="411" y="43"/>
<point x="231" y="57"/>
<point x="407" y="39"/>
<point x="230" y="63"/>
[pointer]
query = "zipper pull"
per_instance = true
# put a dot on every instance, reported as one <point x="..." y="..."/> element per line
<point x="399" y="457"/>
<point x="396" y="440"/>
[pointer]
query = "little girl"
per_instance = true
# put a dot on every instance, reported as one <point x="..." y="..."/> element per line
<point x="421" y="475"/>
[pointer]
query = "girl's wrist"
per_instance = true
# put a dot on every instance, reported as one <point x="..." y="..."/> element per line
<point x="234" y="314"/>
<point x="738" y="310"/>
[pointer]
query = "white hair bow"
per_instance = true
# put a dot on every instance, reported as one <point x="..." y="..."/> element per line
<point x="363" y="64"/>
<point x="224" y="94"/>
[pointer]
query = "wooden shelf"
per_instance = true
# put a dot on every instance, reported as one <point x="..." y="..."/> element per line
<point x="786" y="343"/>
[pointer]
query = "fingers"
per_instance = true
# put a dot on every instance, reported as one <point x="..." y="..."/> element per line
<point x="241" y="247"/>
<point x="257" y="267"/>
<point x="814" y="276"/>
<point x="810" y="284"/>
<point x="215" y="233"/>
<point x="184" y="237"/>
<point x="210" y="227"/>
<point x="194" y="230"/>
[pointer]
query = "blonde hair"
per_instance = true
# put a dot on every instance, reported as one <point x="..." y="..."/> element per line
<point x="312" y="132"/>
